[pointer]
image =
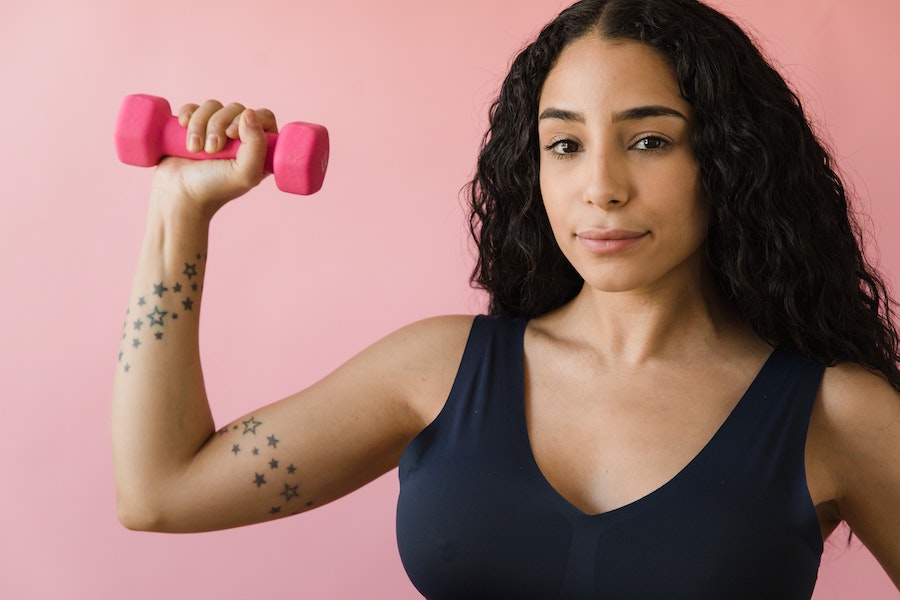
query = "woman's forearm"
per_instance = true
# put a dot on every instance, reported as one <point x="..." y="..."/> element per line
<point x="160" y="415"/>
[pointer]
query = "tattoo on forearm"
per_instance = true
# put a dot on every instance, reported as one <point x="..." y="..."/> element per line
<point x="279" y="485"/>
<point x="148" y="320"/>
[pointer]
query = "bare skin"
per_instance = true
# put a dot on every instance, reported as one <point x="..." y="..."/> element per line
<point x="647" y="319"/>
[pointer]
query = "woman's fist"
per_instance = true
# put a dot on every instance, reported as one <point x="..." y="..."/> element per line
<point x="204" y="186"/>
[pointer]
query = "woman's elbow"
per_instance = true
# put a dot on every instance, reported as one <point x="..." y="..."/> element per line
<point x="138" y="515"/>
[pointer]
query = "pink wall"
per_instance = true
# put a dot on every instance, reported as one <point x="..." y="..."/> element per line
<point x="403" y="86"/>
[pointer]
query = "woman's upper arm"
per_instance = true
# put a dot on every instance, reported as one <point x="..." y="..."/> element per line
<point x="323" y="442"/>
<point x="860" y="417"/>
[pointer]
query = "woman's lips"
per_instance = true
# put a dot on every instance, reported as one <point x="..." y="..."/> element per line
<point x="609" y="241"/>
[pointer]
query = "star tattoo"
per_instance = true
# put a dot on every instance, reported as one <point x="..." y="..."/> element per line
<point x="156" y="317"/>
<point x="291" y="469"/>
<point x="137" y="324"/>
<point x="250" y="425"/>
<point x="190" y="270"/>
<point x="259" y="480"/>
<point x="159" y="289"/>
<point x="141" y="301"/>
<point x="273" y="464"/>
<point x="188" y="304"/>
<point x="273" y="441"/>
<point x="158" y="335"/>
<point x="136" y="343"/>
<point x="275" y="510"/>
<point x="236" y="448"/>
<point x="290" y="491"/>
<point x="176" y="288"/>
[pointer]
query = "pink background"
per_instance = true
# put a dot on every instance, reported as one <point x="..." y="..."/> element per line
<point x="296" y="285"/>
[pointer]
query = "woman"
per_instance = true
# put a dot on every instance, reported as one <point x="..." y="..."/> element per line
<point x="689" y="380"/>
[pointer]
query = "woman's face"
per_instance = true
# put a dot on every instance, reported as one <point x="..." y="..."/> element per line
<point x="618" y="176"/>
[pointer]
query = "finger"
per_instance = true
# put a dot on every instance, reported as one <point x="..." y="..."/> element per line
<point x="251" y="155"/>
<point x="197" y="124"/>
<point x="185" y="112"/>
<point x="218" y="125"/>
<point x="216" y="137"/>
<point x="266" y="118"/>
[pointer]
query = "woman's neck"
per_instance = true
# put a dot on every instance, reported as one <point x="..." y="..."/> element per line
<point x="637" y="327"/>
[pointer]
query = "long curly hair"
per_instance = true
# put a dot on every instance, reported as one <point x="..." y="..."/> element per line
<point x="782" y="242"/>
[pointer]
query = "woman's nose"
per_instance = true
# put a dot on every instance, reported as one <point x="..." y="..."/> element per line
<point x="607" y="181"/>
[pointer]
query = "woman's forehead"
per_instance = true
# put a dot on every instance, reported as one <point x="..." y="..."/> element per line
<point x="596" y="72"/>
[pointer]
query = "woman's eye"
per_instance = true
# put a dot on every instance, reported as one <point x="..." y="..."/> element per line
<point x="651" y="143"/>
<point x="563" y="147"/>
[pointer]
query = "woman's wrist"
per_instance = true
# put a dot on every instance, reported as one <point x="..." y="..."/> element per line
<point x="176" y="227"/>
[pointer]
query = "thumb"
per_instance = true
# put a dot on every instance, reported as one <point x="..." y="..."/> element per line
<point x="250" y="160"/>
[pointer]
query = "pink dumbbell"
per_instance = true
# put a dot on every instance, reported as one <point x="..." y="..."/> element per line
<point x="146" y="131"/>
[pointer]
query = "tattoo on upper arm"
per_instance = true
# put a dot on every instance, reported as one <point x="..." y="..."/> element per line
<point x="154" y="313"/>
<point x="277" y="484"/>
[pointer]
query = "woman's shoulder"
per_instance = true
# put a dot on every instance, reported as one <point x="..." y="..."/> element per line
<point x="427" y="345"/>
<point x="854" y="400"/>
<point x="413" y="362"/>
<point x="409" y="371"/>
<point x="855" y="431"/>
<point x="434" y="338"/>
<point x="856" y="416"/>
<point x="424" y="357"/>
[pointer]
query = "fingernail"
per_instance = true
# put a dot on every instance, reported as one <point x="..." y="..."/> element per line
<point x="193" y="144"/>
<point x="212" y="143"/>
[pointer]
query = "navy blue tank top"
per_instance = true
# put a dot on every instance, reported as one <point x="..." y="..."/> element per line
<point x="477" y="519"/>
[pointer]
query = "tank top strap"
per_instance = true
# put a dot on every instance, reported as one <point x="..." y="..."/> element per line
<point x="760" y="451"/>
<point x="492" y="363"/>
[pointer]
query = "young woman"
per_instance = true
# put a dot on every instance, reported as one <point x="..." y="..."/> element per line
<point x="689" y="377"/>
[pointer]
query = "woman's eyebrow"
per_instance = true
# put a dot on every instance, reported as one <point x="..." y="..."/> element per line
<point x="561" y="114"/>
<point x="630" y="114"/>
<point x="644" y="112"/>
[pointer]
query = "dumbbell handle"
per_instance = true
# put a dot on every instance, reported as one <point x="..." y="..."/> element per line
<point x="173" y="142"/>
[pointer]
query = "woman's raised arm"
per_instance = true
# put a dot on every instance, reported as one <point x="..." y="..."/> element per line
<point x="174" y="470"/>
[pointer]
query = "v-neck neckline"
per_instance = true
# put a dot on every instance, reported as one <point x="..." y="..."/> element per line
<point x="518" y="400"/>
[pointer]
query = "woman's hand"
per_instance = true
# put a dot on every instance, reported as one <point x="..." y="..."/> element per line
<point x="202" y="187"/>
